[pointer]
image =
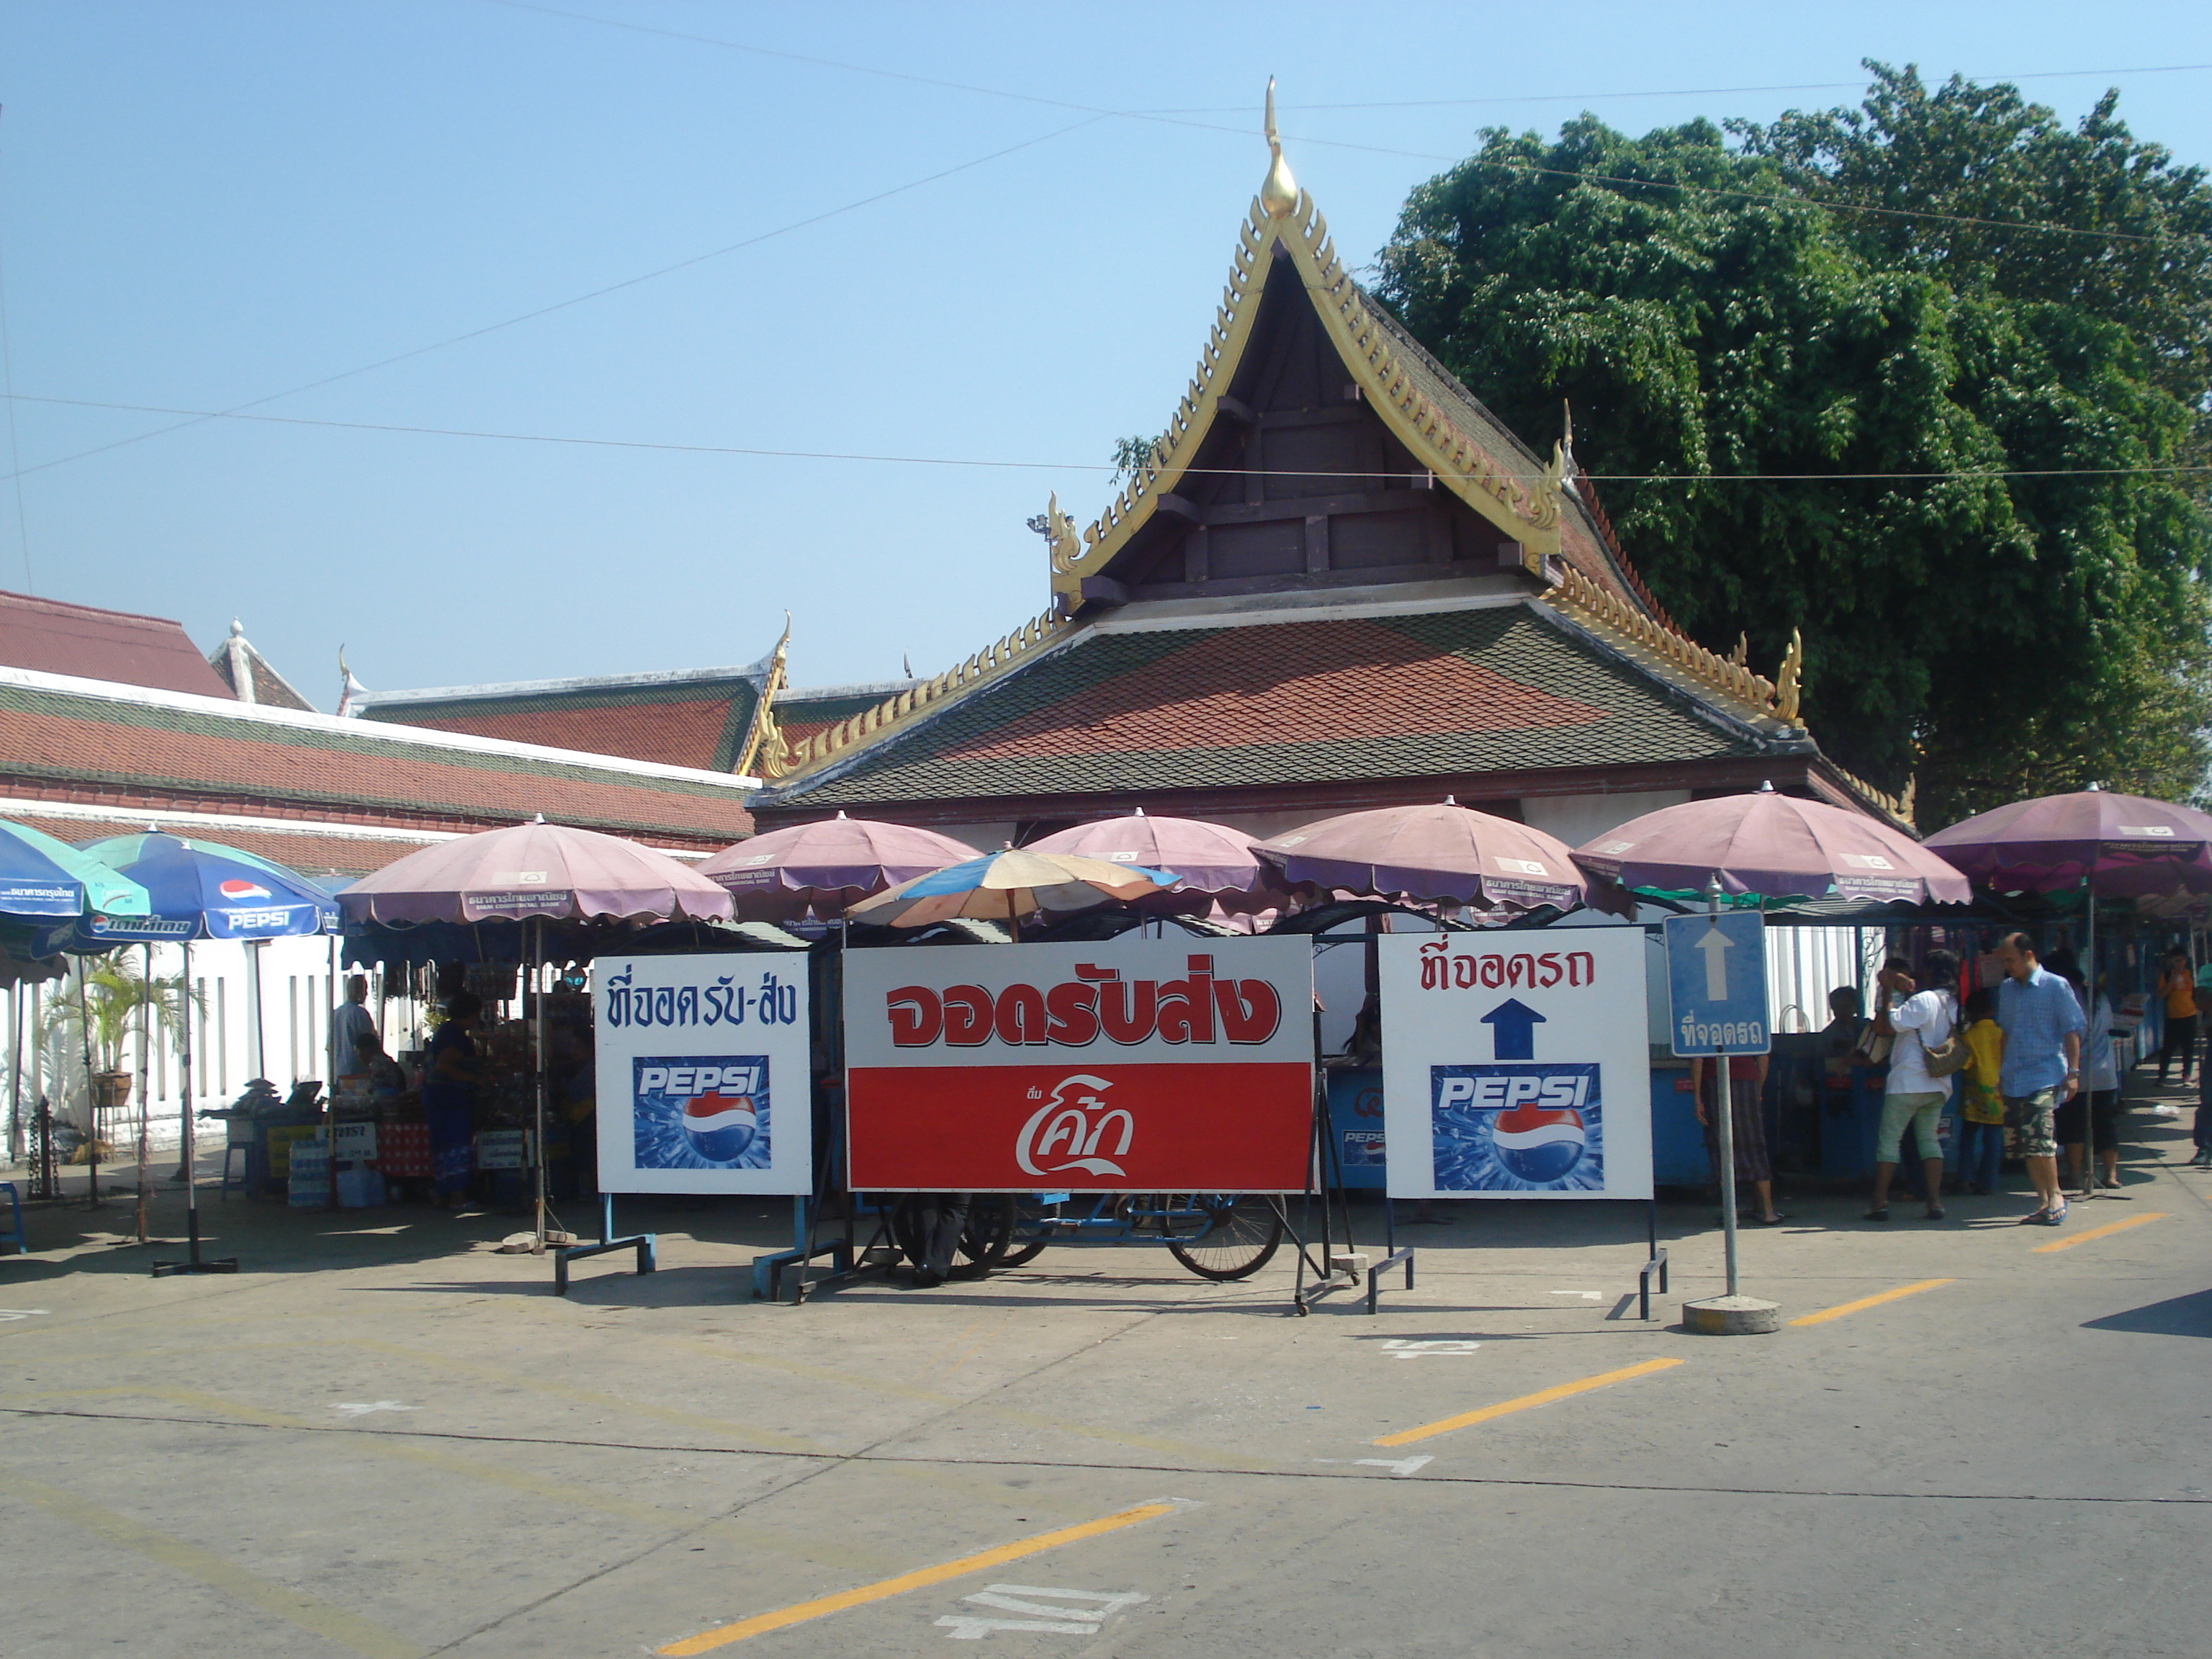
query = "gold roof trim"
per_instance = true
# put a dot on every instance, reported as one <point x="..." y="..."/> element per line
<point x="1524" y="503"/>
<point x="778" y="759"/>
<point x="1711" y="671"/>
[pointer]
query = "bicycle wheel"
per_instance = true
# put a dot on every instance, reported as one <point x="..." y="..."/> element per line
<point x="990" y="1230"/>
<point x="1242" y="1236"/>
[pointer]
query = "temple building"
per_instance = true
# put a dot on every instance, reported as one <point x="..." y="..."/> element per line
<point x="1337" y="581"/>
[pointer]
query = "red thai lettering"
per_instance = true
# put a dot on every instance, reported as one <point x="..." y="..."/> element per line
<point x="1074" y="1011"/>
<point x="1021" y="1015"/>
<point x="968" y="1016"/>
<point x="1128" y="1011"/>
<point x="1549" y="963"/>
<point x="1435" y="971"/>
<point x="916" y="1015"/>
<point x="1587" y="974"/>
<point x="1185" y="1010"/>
<point x="1250" y="1009"/>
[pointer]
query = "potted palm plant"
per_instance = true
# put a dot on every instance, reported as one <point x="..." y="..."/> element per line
<point x="99" y="1006"/>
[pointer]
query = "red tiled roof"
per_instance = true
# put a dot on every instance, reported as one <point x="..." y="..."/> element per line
<point x="58" y="638"/>
<point x="1301" y="682"/>
<point x="313" y="855"/>
<point x="672" y="733"/>
<point x="56" y="736"/>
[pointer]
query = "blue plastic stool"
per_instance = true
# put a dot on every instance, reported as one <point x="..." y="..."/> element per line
<point x="244" y="1148"/>
<point x="16" y="1220"/>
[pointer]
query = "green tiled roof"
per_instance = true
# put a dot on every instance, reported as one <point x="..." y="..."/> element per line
<point x="1501" y="689"/>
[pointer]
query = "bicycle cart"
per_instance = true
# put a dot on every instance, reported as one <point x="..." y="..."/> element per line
<point x="1218" y="1236"/>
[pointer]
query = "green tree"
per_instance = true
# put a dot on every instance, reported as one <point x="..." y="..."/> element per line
<point x="1773" y="375"/>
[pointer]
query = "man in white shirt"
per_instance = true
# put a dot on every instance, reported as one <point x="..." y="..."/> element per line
<point x="348" y="1023"/>
<point x="1914" y="1100"/>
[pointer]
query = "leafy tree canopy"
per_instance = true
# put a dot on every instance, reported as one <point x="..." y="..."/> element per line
<point x="1967" y="420"/>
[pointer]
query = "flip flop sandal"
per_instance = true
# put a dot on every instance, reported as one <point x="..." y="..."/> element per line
<point x="1881" y="1214"/>
<point x="1934" y="1212"/>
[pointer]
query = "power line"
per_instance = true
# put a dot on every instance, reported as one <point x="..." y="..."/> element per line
<point x="1175" y="118"/>
<point x="405" y="429"/>
<point x="1681" y="92"/>
<point x="240" y="410"/>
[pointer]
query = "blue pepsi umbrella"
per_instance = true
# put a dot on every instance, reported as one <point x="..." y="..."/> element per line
<point x="204" y="889"/>
<point x="41" y="877"/>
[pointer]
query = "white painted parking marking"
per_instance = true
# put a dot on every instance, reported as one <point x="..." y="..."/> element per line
<point x="1586" y="1296"/>
<point x="1430" y="1348"/>
<point x="7" y="1313"/>
<point x="1052" y="1617"/>
<point x="362" y="1408"/>
<point x="1395" y="1465"/>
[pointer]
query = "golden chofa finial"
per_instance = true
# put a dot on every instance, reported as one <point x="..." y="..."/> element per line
<point x="1279" y="193"/>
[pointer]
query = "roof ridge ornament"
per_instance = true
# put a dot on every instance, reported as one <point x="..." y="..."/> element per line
<point x="1278" y="193"/>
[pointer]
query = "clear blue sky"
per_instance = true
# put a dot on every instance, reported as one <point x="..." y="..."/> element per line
<point x="205" y="204"/>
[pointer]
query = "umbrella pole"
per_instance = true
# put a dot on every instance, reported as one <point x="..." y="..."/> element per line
<point x="2088" y="1117"/>
<point x="331" y="1052"/>
<point x="145" y="1075"/>
<point x="91" y="1086"/>
<point x="1725" y="1095"/>
<point x="537" y="984"/>
<point x="186" y="1137"/>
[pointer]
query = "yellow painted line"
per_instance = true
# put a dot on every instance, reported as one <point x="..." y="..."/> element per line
<point x="332" y="1624"/>
<point x="1526" y="1403"/>
<point x="760" y="1624"/>
<point x="1866" y="1302"/>
<point x="2109" y="1228"/>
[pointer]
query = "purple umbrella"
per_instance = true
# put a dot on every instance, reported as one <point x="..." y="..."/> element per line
<point x="1441" y="851"/>
<point x="537" y="869"/>
<point x="2124" y="845"/>
<point x="1768" y="845"/>
<point x="1213" y="862"/>
<point x="827" y="866"/>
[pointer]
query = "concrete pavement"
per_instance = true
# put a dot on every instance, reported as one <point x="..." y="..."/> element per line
<point x="383" y="1439"/>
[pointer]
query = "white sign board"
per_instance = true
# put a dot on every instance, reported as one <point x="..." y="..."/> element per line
<point x="1517" y="1065"/>
<point x="703" y="1079"/>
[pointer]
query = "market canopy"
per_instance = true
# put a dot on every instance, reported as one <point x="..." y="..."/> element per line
<point x="1212" y="863"/>
<point x="44" y="878"/>
<point x="535" y="869"/>
<point x="1767" y="845"/>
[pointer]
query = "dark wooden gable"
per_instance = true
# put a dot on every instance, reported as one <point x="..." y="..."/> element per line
<point x="1299" y="484"/>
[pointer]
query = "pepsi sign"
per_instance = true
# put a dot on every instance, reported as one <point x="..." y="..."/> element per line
<point x="1517" y="1127"/>
<point x="710" y="1055"/>
<point x="692" y="1111"/>
<point x="1518" y="1069"/>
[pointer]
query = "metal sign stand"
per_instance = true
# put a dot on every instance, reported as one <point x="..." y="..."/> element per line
<point x="1733" y="1314"/>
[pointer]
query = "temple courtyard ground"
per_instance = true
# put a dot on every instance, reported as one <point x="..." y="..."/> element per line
<point x="384" y="1438"/>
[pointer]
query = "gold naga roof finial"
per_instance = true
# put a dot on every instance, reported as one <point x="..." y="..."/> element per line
<point x="1059" y="536"/>
<point x="1786" y="682"/>
<point x="1279" y="194"/>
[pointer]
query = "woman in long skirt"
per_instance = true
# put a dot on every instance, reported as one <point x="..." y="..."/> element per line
<point x="1746" y="1125"/>
<point x="451" y="1074"/>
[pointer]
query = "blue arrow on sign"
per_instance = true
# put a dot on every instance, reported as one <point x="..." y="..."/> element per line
<point x="1513" y="1024"/>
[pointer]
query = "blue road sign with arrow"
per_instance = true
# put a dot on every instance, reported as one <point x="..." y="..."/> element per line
<point x="1513" y="1025"/>
<point x="1717" y="984"/>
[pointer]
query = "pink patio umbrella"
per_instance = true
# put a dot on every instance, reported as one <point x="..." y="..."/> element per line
<point x="1428" y="852"/>
<point x="823" y="867"/>
<point x="537" y="869"/>
<point x="535" y="872"/>
<point x="1768" y="845"/>
<point x="1215" y="864"/>
<point x="2124" y="845"/>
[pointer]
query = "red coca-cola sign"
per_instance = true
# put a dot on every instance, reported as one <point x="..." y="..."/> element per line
<point x="1139" y="1065"/>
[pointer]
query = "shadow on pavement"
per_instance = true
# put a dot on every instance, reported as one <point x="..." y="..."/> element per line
<point x="2180" y="1315"/>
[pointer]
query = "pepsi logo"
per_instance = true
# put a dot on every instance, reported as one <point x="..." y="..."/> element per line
<point x="239" y="891"/>
<point x="1540" y="1145"/>
<point x="719" y="1127"/>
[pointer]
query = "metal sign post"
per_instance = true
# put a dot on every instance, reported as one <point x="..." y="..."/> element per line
<point x="1716" y="997"/>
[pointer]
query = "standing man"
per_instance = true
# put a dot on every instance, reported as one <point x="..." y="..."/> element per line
<point x="2042" y="1023"/>
<point x="1915" y="1100"/>
<point x="350" y="1023"/>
